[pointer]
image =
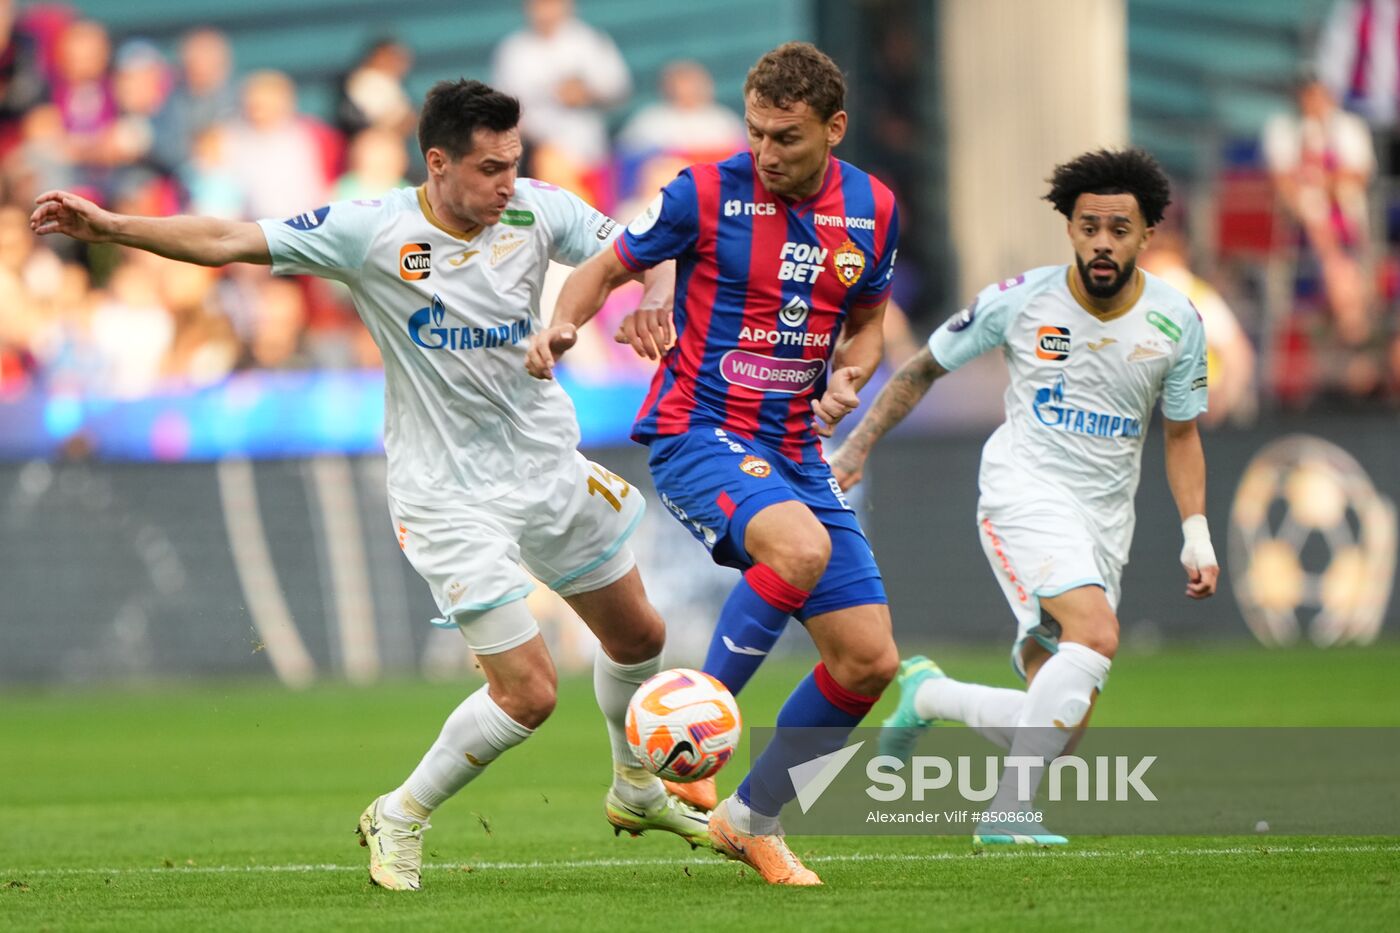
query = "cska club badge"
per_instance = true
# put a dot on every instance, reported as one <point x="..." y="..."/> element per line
<point x="756" y="467"/>
<point x="849" y="263"/>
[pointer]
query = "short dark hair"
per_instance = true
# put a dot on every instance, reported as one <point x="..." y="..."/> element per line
<point x="798" y="72"/>
<point x="454" y="110"/>
<point x="1112" y="171"/>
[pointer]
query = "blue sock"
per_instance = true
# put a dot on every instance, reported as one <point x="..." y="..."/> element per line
<point x="816" y="720"/>
<point x="753" y="617"/>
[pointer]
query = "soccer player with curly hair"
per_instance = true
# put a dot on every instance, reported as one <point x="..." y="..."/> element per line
<point x="1091" y="347"/>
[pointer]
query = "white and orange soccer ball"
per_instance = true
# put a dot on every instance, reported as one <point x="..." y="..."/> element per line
<point x="683" y="724"/>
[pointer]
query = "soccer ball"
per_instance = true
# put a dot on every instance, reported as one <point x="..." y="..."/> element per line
<point x="683" y="724"/>
<point x="1312" y="545"/>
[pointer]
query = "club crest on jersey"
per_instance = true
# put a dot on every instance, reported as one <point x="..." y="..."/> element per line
<point x="756" y="467"/>
<point x="849" y="263"/>
<point x="1146" y="351"/>
<point x="415" y="261"/>
<point x="1052" y="343"/>
<point x="504" y="246"/>
<point x="794" y="313"/>
<point x="309" y="220"/>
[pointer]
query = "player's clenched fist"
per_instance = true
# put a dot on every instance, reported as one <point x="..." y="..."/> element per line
<point x="838" y="401"/>
<point x="1198" y="558"/>
<point x="648" y="331"/>
<point x="546" y="347"/>
<point x="62" y="212"/>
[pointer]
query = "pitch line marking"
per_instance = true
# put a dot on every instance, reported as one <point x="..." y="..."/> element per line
<point x="1261" y="849"/>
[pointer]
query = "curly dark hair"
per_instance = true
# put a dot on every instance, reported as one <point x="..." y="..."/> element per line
<point x="798" y="72"/>
<point x="1112" y="171"/>
<point x="454" y="110"/>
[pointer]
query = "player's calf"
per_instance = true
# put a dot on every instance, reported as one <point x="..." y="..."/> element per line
<point x="475" y="734"/>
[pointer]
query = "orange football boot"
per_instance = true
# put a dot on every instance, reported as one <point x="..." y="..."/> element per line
<point x="767" y="855"/>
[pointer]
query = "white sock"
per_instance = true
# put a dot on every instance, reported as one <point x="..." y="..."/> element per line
<point x="1056" y="703"/>
<point x="613" y="685"/>
<point x="992" y="712"/>
<point x="476" y="733"/>
<point x="747" y="820"/>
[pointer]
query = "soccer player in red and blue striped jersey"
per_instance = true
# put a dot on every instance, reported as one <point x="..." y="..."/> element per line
<point x="784" y="260"/>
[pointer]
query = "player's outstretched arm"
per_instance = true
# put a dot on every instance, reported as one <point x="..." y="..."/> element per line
<point x="898" y="397"/>
<point x="584" y="292"/>
<point x="1186" y="475"/>
<point x="207" y="241"/>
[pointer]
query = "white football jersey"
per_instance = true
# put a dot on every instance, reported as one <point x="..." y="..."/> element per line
<point x="1082" y="391"/>
<point x="453" y="317"/>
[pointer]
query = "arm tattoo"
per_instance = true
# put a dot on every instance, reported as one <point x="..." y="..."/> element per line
<point x="897" y="398"/>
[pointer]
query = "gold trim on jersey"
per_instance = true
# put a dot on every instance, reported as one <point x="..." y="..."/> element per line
<point x="1134" y="294"/>
<point x="427" y="209"/>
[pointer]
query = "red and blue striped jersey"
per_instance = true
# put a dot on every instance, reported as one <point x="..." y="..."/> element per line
<point x="763" y="287"/>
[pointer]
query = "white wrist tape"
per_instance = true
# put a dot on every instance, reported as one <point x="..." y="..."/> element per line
<point x="1197" y="552"/>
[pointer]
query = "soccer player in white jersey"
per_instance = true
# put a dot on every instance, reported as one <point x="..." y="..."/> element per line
<point x="1090" y="348"/>
<point x="484" y="475"/>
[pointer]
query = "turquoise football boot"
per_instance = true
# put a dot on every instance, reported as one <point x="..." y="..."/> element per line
<point x="1015" y="834"/>
<point x="903" y="727"/>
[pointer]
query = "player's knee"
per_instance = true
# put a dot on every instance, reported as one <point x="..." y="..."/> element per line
<point x="1105" y="643"/>
<point x="644" y="640"/>
<point x="801" y="560"/>
<point x="887" y="668"/>
<point x="1102" y="638"/>
<point x="529" y="701"/>
<point x="880" y="672"/>
<point x="867" y="672"/>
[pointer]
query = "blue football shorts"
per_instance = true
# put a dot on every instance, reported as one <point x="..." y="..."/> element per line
<point x="714" y="482"/>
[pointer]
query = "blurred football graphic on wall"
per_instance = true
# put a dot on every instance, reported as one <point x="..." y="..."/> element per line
<point x="1312" y="545"/>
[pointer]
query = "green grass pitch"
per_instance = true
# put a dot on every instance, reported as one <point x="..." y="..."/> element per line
<point x="231" y="807"/>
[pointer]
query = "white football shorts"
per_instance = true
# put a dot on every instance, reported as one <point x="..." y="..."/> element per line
<point x="568" y="530"/>
<point x="1038" y="551"/>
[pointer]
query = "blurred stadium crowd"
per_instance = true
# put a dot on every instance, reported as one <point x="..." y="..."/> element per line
<point x="144" y="132"/>
<point x="140" y="132"/>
